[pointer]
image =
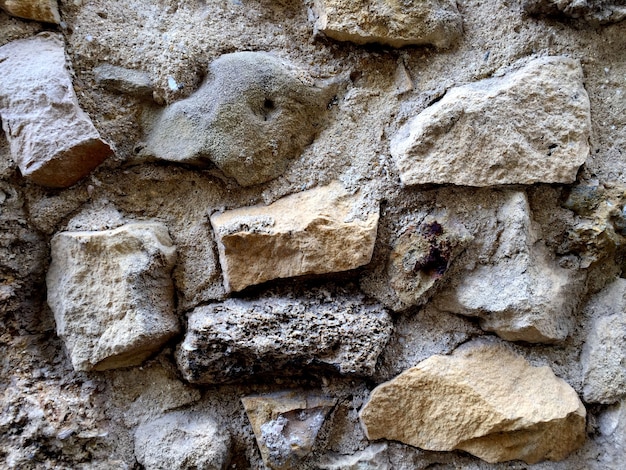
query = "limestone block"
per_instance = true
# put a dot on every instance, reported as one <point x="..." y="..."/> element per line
<point x="528" y="126"/>
<point x="485" y="400"/>
<point x="604" y="353"/>
<point x="112" y="294"/>
<point x="46" y="11"/>
<point x="517" y="289"/>
<point x="52" y="140"/>
<point x="594" y="11"/>
<point x="182" y="440"/>
<point x="312" y="232"/>
<point x="252" y="116"/>
<point x="286" y="424"/>
<point x="373" y="457"/>
<point x="237" y="338"/>
<point x="391" y="22"/>
<point x="123" y="80"/>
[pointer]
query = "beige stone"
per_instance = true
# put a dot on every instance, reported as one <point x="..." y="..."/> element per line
<point x="485" y="400"/>
<point x="112" y="295"/>
<point x="391" y="22"/>
<point x="313" y="232"/>
<point x="46" y="11"/>
<point x="528" y="126"/>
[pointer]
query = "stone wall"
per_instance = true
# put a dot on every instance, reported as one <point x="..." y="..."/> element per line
<point x="312" y="234"/>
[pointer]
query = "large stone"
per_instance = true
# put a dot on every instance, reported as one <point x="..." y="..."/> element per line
<point x="528" y="126"/>
<point x="182" y="440"/>
<point x="485" y="400"/>
<point x="238" y="338"/>
<point x="46" y="11"/>
<point x="286" y="424"/>
<point x="313" y="232"/>
<point x="612" y="438"/>
<point x="52" y="139"/>
<point x="594" y="11"/>
<point x="112" y="294"/>
<point x="516" y="288"/>
<point x="391" y="22"/>
<point x="252" y="116"/>
<point x="604" y="353"/>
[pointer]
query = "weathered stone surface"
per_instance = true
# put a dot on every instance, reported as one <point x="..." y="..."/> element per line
<point x="419" y="259"/>
<point x="286" y="424"/>
<point x="594" y="11"/>
<point x="52" y="140"/>
<point x="516" y="288"/>
<point x="485" y="400"/>
<point x="612" y="438"/>
<point x="604" y="353"/>
<point x="312" y="232"/>
<point x="251" y="117"/>
<point x="238" y="338"/>
<point x="46" y="11"/>
<point x="373" y="457"/>
<point x="390" y="22"/>
<point x="182" y="440"/>
<point x="529" y="126"/>
<point x="112" y="295"/>
<point x="123" y="80"/>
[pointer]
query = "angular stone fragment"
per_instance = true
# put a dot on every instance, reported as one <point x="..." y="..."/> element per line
<point x="286" y="424"/>
<point x="112" y="295"/>
<point x="604" y="352"/>
<point x="373" y="457"/>
<point x="593" y="11"/>
<point x="485" y="400"/>
<point x="529" y="126"/>
<point x="46" y="11"/>
<point x="52" y="140"/>
<point x="123" y="80"/>
<point x="250" y="118"/>
<point x="436" y="22"/>
<point x="313" y="232"/>
<point x="517" y="288"/>
<point x="182" y="440"/>
<point x="237" y="338"/>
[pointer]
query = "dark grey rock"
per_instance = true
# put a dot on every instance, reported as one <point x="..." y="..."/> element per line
<point x="593" y="11"/>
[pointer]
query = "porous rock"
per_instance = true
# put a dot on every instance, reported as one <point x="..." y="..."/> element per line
<point x="182" y="440"/>
<point x="239" y="338"/>
<point x="528" y="126"/>
<point x="112" y="295"/>
<point x="252" y="116"/>
<point x="312" y="232"/>
<point x="52" y="139"/>
<point x="123" y="80"/>
<point x="436" y="22"/>
<point x="46" y="11"/>
<point x="485" y="400"/>
<point x="517" y="288"/>
<point x="286" y="424"/>
<point x="593" y="11"/>
<point x="604" y="353"/>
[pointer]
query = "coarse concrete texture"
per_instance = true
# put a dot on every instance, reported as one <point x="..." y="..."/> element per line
<point x="112" y="294"/>
<point x="38" y="10"/>
<point x="52" y="139"/>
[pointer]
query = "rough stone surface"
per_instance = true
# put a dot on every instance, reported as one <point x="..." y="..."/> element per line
<point x="313" y="232"/>
<point x="373" y="457"/>
<point x="604" y="353"/>
<point x="612" y="430"/>
<point x="237" y="338"/>
<point x="123" y="80"/>
<point x="46" y="11"/>
<point x="594" y="11"/>
<point x="112" y="294"/>
<point x="517" y="289"/>
<point x="286" y="424"/>
<point x="52" y="139"/>
<point x="390" y="22"/>
<point x="529" y="126"/>
<point x="485" y="400"/>
<point x="182" y="440"/>
<point x="252" y="116"/>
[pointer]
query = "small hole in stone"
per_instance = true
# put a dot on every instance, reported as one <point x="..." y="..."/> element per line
<point x="268" y="104"/>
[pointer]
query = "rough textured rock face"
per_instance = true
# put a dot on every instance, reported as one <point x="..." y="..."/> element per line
<point x="38" y="10"/>
<point x="529" y="126"/>
<point x="345" y="335"/>
<point x="182" y="441"/>
<point x="594" y="11"/>
<point x="253" y="115"/>
<point x="374" y="457"/>
<point x="313" y="232"/>
<point x="391" y="22"/>
<point x="112" y="295"/>
<point x="52" y="140"/>
<point x="546" y="420"/>
<point x="132" y="82"/>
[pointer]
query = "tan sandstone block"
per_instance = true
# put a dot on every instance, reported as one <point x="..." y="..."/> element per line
<point x="46" y="11"/>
